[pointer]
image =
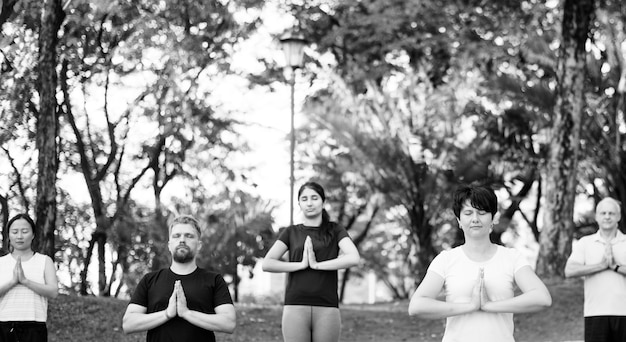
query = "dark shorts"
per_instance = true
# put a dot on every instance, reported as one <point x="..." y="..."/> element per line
<point x="23" y="332"/>
<point x="605" y="329"/>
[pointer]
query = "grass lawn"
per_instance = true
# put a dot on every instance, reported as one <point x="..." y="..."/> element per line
<point x="82" y="319"/>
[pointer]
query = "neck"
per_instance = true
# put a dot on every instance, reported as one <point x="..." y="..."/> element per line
<point x="474" y="245"/>
<point x="608" y="234"/>
<point x="22" y="253"/>
<point x="183" y="269"/>
<point x="313" y="221"/>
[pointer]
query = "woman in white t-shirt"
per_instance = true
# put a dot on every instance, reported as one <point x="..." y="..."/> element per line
<point x="478" y="278"/>
<point x="27" y="280"/>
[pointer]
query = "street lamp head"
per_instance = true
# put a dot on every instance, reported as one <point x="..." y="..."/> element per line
<point x="292" y="44"/>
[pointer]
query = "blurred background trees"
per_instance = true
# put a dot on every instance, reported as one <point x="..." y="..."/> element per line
<point x="404" y="101"/>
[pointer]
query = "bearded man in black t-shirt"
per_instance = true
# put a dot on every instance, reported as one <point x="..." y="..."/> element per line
<point x="183" y="302"/>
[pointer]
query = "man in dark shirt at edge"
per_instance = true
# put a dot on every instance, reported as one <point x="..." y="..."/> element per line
<point x="183" y="302"/>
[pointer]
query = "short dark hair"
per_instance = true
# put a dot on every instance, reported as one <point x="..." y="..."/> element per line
<point x="480" y="197"/>
<point x="23" y="216"/>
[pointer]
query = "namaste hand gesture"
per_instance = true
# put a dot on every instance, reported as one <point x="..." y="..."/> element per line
<point x="177" y="305"/>
<point x="608" y="258"/>
<point x="181" y="300"/>
<point x="171" y="311"/>
<point x="308" y="247"/>
<point x="479" y="294"/>
<point x="18" y="273"/>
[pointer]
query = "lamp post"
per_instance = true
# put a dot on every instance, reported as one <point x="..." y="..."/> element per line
<point x="292" y="44"/>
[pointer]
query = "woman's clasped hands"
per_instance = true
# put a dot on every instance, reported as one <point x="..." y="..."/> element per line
<point x="308" y="255"/>
<point x="18" y="274"/>
<point x="480" y="297"/>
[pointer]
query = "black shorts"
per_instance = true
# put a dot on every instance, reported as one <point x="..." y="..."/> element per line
<point x="605" y="329"/>
<point x="23" y="332"/>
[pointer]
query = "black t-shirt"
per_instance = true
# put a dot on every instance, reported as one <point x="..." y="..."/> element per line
<point x="309" y="286"/>
<point x="204" y="291"/>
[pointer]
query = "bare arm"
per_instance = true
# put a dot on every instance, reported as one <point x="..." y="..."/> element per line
<point x="272" y="262"/>
<point x="136" y="319"/>
<point x="576" y="269"/>
<point x="50" y="287"/>
<point x="223" y="320"/>
<point x="424" y="302"/>
<point x="6" y="287"/>
<point x="534" y="297"/>
<point x="349" y="257"/>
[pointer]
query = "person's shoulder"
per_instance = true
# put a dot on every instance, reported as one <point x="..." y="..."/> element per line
<point x="42" y="256"/>
<point x="290" y="228"/>
<point x="449" y="253"/>
<point x="150" y="276"/>
<point x="336" y="227"/>
<point x="458" y="250"/>
<point x="588" y="238"/>
<point x="208" y="273"/>
<point x="509" y="251"/>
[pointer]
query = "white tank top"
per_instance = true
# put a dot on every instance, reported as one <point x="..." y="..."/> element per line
<point x="21" y="303"/>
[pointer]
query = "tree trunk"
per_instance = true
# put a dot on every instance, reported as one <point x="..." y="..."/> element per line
<point x="84" y="285"/>
<point x="102" y="276"/>
<point x="560" y="185"/>
<point x="4" y="204"/>
<point x="45" y="208"/>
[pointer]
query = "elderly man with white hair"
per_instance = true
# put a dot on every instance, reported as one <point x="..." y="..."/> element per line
<point x="601" y="259"/>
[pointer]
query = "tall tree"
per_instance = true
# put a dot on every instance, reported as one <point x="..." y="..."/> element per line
<point x="4" y="214"/>
<point x="45" y="210"/>
<point x="562" y="161"/>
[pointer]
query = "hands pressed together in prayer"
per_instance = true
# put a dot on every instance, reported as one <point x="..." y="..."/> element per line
<point x="607" y="259"/>
<point x="18" y="274"/>
<point x="308" y="255"/>
<point x="177" y="305"/>
<point x="480" y="297"/>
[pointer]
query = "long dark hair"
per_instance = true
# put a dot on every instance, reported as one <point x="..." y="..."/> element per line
<point x="35" y="244"/>
<point x="327" y="226"/>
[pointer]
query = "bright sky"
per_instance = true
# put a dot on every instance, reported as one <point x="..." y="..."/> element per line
<point x="265" y="114"/>
<point x="268" y="114"/>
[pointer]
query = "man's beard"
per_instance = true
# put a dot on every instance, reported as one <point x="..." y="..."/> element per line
<point x="183" y="254"/>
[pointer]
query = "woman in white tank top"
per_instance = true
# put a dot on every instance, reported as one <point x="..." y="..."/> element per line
<point x="27" y="280"/>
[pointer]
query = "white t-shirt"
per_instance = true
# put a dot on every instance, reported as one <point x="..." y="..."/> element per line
<point x="21" y="303"/>
<point x="605" y="291"/>
<point x="460" y="275"/>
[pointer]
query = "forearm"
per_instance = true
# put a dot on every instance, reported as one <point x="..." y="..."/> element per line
<point x="136" y="322"/>
<point x="579" y="270"/>
<point x="431" y="308"/>
<point x="46" y="290"/>
<point x="530" y="301"/>
<point x="273" y="265"/>
<point x="214" y="322"/>
<point x="341" y="262"/>
<point x="6" y="287"/>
